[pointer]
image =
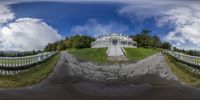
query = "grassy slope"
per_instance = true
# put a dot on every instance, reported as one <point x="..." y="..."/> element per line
<point x="90" y="54"/>
<point x="182" y="73"/>
<point x="34" y="75"/>
<point x="135" y="54"/>
<point x="99" y="54"/>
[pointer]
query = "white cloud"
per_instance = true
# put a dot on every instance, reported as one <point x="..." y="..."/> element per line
<point x="183" y="17"/>
<point x="5" y="14"/>
<point x="94" y="28"/>
<point x="187" y="25"/>
<point x="27" y="34"/>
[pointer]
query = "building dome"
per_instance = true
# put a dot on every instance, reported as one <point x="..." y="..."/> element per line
<point x="113" y="39"/>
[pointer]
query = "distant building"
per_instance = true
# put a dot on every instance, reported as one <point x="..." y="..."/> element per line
<point x="117" y="40"/>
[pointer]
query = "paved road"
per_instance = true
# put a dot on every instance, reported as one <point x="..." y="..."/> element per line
<point x="59" y="86"/>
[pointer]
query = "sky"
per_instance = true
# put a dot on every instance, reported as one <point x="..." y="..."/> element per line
<point x="31" y="24"/>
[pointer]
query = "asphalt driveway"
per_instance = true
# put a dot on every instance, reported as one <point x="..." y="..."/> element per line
<point x="60" y="86"/>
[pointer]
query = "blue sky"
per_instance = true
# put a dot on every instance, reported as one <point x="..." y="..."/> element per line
<point x="64" y="16"/>
<point x="49" y="20"/>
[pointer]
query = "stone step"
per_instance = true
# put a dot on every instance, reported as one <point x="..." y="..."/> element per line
<point x="115" y="51"/>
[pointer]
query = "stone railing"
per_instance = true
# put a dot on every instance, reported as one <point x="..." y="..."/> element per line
<point x="13" y="65"/>
<point x="123" y="50"/>
<point x="108" y="49"/>
<point x="192" y="60"/>
<point x="191" y="63"/>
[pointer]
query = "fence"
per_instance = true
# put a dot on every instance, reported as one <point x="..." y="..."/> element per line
<point x="12" y="65"/>
<point x="192" y="63"/>
<point x="192" y="60"/>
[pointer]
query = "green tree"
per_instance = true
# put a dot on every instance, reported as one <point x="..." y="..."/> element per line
<point x="143" y="39"/>
<point x="166" y="45"/>
<point x="156" y="42"/>
<point x="77" y="41"/>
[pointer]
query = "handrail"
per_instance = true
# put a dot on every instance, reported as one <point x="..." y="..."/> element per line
<point x="123" y="50"/>
<point x="107" y="50"/>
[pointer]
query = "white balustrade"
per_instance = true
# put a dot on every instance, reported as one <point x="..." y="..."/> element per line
<point x="194" y="60"/>
<point x="24" y="61"/>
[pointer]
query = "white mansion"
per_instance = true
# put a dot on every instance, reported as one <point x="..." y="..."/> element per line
<point x="115" y="44"/>
<point x="113" y="40"/>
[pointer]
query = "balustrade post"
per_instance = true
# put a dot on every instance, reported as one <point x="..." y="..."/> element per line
<point x="20" y="62"/>
<point x="30" y="60"/>
<point x="1" y="62"/>
<point x="34" y="59"/>
<point x="12" y="62"/>
<point x="6" y="62"/>
<point x="9" y="63"/>
<point x="26" y="61"/>
<point x="37" y="59"/>
<point x="23" y="61"/>
<point x="17" y="61"/>
<point x="196" y="61"/>
<point x="42" y="56"/>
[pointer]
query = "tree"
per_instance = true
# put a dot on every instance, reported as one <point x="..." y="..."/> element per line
<point x="77" y="41"/>
<point x="143" y="39"/>
<point x="156" y="42"/>
<point x="166" y="45"/>
<point x="137" y="38"/>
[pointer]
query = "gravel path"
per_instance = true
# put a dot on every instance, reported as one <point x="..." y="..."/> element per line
<point x="144" y="85"/>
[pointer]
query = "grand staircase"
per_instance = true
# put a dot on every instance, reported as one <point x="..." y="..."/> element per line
<point x="116" y="53"/>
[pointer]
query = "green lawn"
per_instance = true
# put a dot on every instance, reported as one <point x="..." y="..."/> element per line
<point x="90" y="54"/>
<point x="34" y="75"/>
<point x="99" y="54"/>
<point x="135" y="54"/>
<point x="183" y="74"/>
